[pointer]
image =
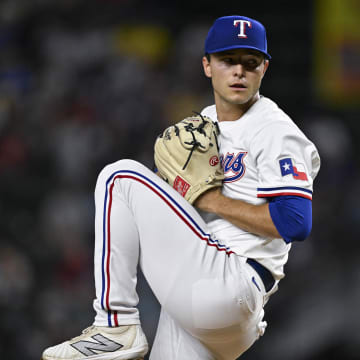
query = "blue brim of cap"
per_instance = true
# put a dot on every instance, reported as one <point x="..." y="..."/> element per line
<point x="239" y="47"/>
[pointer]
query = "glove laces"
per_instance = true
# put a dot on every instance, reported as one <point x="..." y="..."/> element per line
<point x="195" y="144"/>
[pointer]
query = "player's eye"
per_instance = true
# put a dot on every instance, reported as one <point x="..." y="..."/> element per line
<point x="228" y="60"/>
<point x="251" y="64"/>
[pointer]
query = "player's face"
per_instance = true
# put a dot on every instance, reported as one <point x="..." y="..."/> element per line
<point x="236" y="76"/>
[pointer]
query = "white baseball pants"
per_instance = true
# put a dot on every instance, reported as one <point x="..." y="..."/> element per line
<point x="211" y="306"/>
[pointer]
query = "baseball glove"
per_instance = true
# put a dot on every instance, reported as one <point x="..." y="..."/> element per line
<point x="187" y="156"/>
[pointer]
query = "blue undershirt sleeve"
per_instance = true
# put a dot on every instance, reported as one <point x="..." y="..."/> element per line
<point x="292" y="217"/>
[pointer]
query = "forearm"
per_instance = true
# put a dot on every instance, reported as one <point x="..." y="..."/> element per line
<point x="252" y="218"/>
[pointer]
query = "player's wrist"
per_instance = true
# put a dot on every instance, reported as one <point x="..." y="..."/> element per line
<point x="210" y="200"/>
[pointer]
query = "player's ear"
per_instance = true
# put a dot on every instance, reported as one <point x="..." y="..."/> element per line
<point x="206" y="66"/>
<point x="266" y="65"/>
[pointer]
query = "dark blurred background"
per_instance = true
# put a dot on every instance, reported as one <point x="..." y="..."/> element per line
<point x="84" y="83"/>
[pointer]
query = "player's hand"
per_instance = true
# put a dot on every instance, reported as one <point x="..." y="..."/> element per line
<point x="210" y="200"/>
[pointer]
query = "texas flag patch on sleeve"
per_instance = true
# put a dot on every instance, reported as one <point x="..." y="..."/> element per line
<point x="289" y="167"/>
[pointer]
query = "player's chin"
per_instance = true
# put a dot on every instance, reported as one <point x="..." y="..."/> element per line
<point x="239" y="96"/>
<point x="238" y="99"/>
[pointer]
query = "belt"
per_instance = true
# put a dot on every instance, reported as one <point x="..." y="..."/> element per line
<point x="264" y="274"/>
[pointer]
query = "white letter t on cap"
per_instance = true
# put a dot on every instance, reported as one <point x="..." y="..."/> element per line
<point x="242" y="27"/>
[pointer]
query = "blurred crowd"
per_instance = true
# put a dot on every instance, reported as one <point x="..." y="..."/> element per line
<point x="85" y="83"/>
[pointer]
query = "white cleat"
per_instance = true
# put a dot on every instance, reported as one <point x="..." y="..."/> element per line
<point x="102" y="343"/>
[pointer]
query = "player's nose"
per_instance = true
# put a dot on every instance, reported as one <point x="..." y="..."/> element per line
<point x="238" y="70"/>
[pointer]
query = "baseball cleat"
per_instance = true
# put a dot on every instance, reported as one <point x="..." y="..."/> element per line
<point x="102" y="343"/>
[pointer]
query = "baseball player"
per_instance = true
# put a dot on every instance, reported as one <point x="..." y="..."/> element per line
<point x="212" y="273"/>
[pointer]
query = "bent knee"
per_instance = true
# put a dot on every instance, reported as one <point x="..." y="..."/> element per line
<point x="123" y="166"/>
<point x="119" y="166"/>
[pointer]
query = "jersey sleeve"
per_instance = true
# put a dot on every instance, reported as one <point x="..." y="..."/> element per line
<point x="287" y="161"/>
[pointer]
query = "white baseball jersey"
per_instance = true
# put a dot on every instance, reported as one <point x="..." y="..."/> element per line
<point x="263" y="154"/>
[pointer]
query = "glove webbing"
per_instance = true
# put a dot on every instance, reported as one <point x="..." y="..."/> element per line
<point x="194" y="144"/>
<point x="189" y="127"/>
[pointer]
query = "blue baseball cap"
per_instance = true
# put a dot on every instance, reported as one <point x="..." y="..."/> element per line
<point x="236" y="32"/>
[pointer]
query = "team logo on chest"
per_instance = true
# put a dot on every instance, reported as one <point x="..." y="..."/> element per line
<point x="233" y="166"/>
